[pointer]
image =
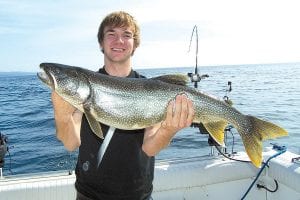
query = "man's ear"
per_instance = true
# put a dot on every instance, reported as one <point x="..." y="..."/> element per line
<point x="133" y="51"/>
<point x="101" y="48"/>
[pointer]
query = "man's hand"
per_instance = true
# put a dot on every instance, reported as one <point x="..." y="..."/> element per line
<point x="180" y="114"/>
<point x="60" y="106"/>
<point x="68" y="122"/>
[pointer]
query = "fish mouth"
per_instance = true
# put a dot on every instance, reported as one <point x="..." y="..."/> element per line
<point x="46" y="77"/>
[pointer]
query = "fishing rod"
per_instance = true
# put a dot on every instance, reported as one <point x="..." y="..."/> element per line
<point x="196" y="77"/>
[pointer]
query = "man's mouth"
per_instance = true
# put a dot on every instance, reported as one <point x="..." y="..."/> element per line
<point x="118" y="49"/>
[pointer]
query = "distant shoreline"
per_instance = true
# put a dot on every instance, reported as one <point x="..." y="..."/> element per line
<point x="163" y="67"/>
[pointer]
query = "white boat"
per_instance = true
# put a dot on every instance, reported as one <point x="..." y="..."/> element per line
<point x="205" y="177"/>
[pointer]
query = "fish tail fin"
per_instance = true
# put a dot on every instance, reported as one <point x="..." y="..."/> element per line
<point x="255" y="131"/>
<point x="216" y="130"/>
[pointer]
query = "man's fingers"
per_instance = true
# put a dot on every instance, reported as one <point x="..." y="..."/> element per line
<point x="180" y="113"/>
<point x="184" y="111"/>
<point x="191" y="113"/>
<point x="169" y="116"/>
<point x="177" y="109"/>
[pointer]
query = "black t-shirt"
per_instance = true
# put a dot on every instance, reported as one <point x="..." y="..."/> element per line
<point x="125" y="171"/>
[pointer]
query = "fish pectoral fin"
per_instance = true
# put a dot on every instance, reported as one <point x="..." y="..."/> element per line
<point x="95" y="125"/>
<point x="177" y="79"/>
<point x="216" y="130"/>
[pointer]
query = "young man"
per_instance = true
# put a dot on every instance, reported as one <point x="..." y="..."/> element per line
<point x="126" y="169"/>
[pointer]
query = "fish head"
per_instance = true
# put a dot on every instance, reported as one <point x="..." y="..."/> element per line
<point x="66" y="81"/>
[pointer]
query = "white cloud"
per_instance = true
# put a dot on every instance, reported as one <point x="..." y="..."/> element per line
<point x="238" y="31"/>
<point x="230" y="32"/>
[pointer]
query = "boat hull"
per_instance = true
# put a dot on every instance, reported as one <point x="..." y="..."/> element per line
<point x="203" y="177"/>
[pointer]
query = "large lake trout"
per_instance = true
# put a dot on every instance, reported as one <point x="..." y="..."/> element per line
<point x="130" y="103"/>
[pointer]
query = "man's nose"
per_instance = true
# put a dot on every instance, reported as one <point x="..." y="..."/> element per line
<point x="119" y="38"/>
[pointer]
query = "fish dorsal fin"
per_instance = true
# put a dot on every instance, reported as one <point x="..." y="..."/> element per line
<point x="177" y="79"/>
<point x="95" y="126"/>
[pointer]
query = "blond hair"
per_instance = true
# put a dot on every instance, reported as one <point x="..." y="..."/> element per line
<point x="120" y="19"/>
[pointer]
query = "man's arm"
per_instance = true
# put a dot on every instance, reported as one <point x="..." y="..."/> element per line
<point x="68" y="122"/>
<point x="180" y="114"/>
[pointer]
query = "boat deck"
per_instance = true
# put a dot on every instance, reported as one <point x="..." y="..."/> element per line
<point x="191" y="178"/>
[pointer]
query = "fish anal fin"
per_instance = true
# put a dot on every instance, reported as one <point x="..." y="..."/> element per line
<point x="95" y="125"/>
<point x="177" y="79"/>
<point x="216" y="130"/>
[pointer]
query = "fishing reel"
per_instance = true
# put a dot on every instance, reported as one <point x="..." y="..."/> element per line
<point x="3" y="149"/>
<point x="196" y="77"/>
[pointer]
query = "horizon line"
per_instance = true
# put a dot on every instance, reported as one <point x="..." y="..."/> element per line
<point x="167" y="67"/>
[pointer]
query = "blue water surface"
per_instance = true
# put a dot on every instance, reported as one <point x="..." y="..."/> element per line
<point x="268" y="91"/>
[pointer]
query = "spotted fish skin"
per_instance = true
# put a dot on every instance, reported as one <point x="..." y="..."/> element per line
<point x="130" y="103"/>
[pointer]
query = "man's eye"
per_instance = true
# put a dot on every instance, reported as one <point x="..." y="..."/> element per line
<point x="128" y="36"/>
<point x="110" y="35"/>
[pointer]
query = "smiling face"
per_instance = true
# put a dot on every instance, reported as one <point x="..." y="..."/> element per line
<point x="118" y="36"/>
<point x="118" y="44"/>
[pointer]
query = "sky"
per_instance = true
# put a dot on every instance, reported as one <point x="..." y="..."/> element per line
<point x="231" y="32"/>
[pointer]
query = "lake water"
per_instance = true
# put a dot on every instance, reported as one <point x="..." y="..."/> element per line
<point x="271" y="92"/>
